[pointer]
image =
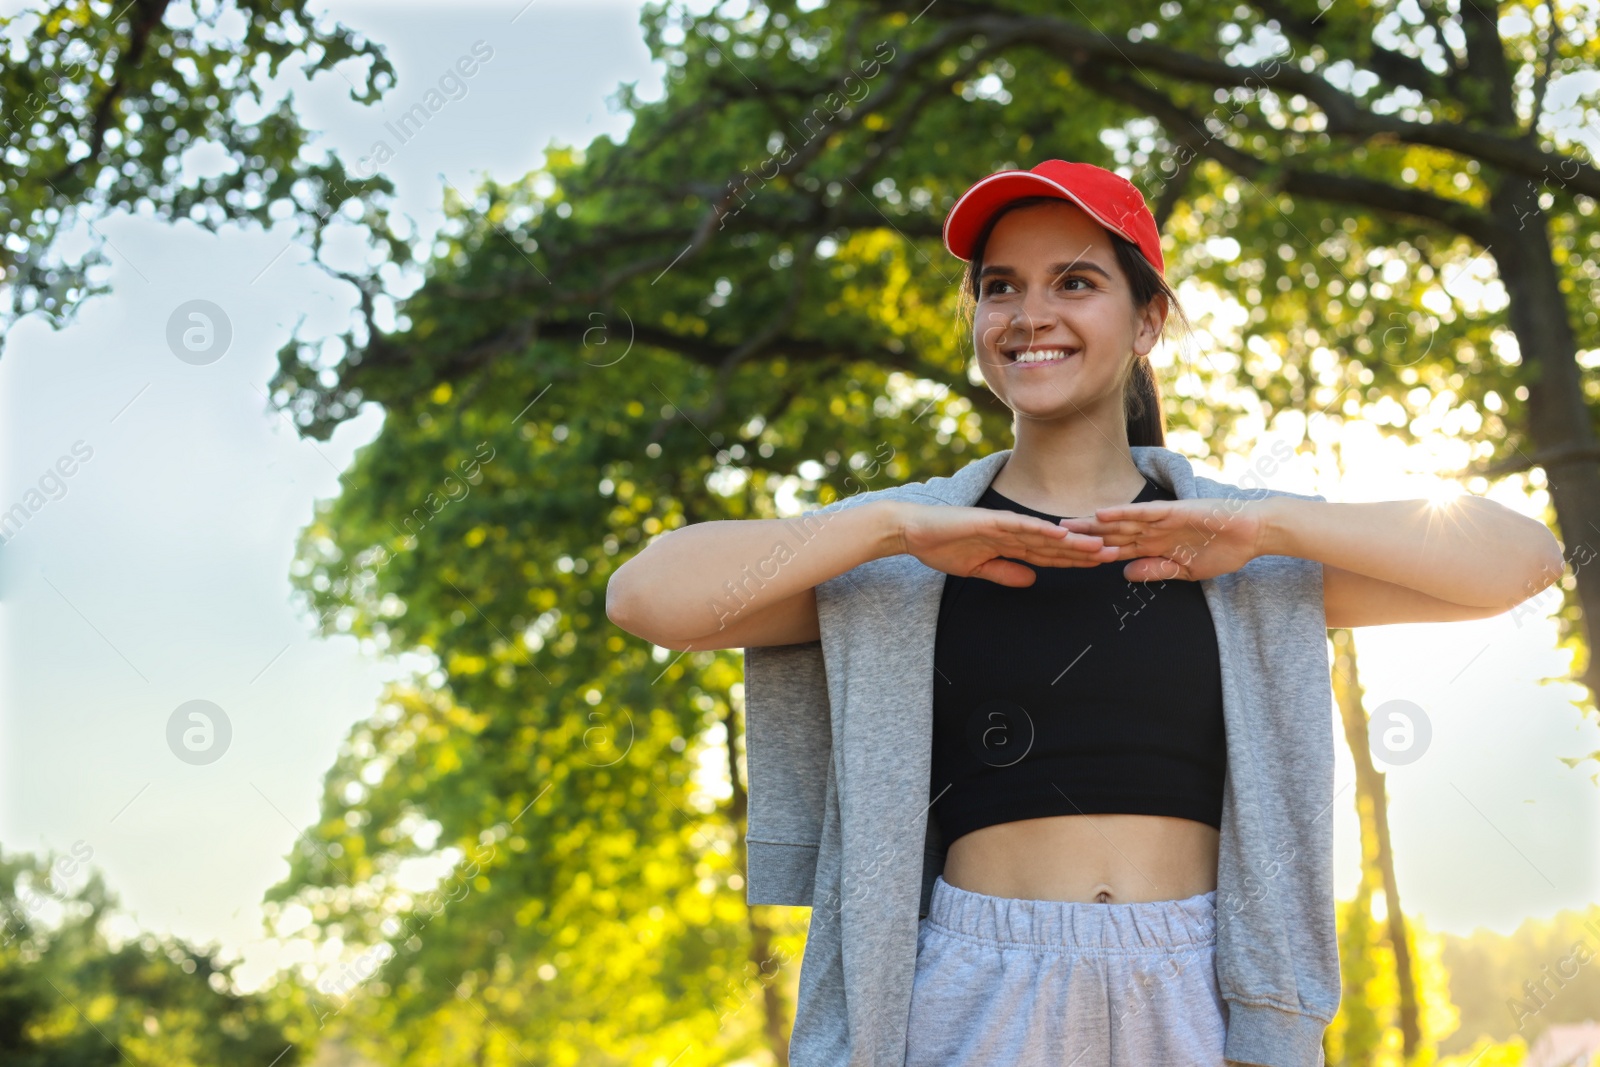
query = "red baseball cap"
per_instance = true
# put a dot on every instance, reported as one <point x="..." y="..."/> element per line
<point x="1110" y="199"/>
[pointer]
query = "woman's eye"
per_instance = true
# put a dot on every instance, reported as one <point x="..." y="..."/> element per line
<point x="991" y="288"/>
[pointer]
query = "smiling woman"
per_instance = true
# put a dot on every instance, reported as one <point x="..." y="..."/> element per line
<point x="1124" y="800"/>
<point x="995" y="293"/>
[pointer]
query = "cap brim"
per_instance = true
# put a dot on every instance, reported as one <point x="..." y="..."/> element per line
<point x="979" y="203"/>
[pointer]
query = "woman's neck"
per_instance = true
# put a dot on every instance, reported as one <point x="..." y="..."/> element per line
<point x="1069" y="467"/>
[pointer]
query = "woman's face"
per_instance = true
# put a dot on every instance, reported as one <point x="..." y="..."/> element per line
<point x="1051" y="284"/>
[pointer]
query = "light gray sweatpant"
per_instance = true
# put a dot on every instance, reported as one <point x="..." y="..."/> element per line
<point x="1047" y="983"/>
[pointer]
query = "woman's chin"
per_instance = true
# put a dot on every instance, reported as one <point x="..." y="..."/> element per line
<point x="1048" y="405"/>
<point x="1043" y="412"/>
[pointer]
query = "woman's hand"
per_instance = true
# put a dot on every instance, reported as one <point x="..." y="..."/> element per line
<point x="969" y="543"/>
<point x="1188" y="539"/>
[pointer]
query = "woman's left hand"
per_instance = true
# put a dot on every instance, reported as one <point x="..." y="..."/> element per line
<point x="1187" y="539"/>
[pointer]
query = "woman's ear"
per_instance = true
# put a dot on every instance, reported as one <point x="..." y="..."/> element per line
<point x="1148" y="325"/>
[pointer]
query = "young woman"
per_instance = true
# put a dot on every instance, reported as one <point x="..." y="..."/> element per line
<point x="1079" y="802"/>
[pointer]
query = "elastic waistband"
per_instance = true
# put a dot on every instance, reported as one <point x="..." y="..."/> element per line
<point x="1138" y="927"/>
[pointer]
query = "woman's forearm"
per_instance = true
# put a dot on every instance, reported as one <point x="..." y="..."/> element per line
<point x="1470" y="551"/>
<point x="694" y="580"/>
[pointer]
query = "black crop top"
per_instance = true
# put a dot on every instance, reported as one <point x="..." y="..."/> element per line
<point x="1081" y="693"/>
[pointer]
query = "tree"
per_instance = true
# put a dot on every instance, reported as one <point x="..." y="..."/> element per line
<point x="745" y="308"/>
<point x="69" y="998"/>
<point x="100" y="102"/>
<point x="1516" y="986"/>
<point x="1363" y="159"/>
<point x="1377" y="870"/>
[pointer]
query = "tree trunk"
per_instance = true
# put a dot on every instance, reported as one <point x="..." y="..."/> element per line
<point x="776" y="1024"/>
<point x="1559" y="422"/>
<point x="1376" y="852"/>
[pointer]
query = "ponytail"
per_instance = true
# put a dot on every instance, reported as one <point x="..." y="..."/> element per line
<point x="1142" y="406"/>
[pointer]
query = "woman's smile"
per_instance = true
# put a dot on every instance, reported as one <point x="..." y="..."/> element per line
<point x="1039" y="356"/>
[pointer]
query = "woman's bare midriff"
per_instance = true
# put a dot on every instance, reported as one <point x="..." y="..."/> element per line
<point x="1106" y="859"/>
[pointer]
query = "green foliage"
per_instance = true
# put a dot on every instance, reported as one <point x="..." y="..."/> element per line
<point x="1354" y="1036"/>
<point x="744" y="310"/>
<point x="1366" y="1030"/>
<point x="1516" y="986"/>
<point x="1485" y="998"/>
<point x="100" y="102"/>
<point x="70" y="998"/>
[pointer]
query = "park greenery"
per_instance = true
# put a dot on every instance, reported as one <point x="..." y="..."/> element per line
<point x="742" y="309"/>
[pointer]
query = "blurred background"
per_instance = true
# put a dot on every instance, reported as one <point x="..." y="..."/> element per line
<point x="349" y="347"/>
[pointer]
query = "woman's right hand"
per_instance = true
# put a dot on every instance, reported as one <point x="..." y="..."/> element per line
<point x="970" y="543"/>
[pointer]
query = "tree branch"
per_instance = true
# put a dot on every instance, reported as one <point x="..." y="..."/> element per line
<point x="1344" y="114"/>
<point x="900" y="75"/>
<point x="1319" y="185"/>
<point x="145" y="20"/>
<point x="1397" y="68"/>
<point x="1486" y="60"/>
<point x="1173" y="191"/>
<point x="1547" y="458"/>
<point x="1542" y="82"/>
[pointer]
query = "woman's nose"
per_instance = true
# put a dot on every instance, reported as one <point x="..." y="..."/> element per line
<point x="1030" y="313"/>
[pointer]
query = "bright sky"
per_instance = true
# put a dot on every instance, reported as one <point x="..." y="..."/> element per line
<point x="160" y="575"/>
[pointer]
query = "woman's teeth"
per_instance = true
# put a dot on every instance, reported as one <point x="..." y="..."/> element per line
<point x="1041" y="355"/>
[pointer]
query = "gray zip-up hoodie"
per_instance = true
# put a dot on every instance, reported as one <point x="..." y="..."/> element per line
<point x="838" y="745"/>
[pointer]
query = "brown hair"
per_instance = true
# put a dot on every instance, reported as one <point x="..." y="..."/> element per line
<point x="1147" y="423"/>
